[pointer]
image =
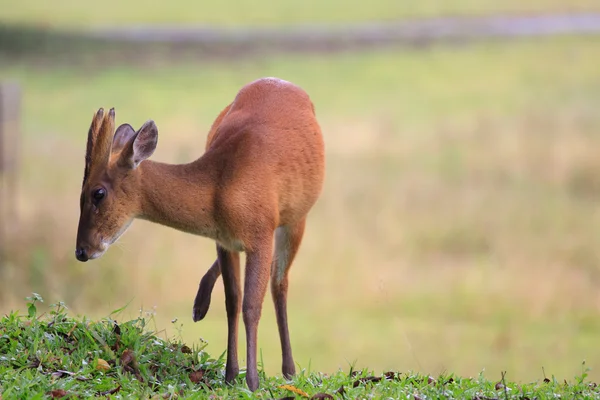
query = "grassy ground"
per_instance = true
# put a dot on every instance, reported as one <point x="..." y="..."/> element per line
<point x="83" y="14"/>
<point x="457" y="230"/>
<point x="57" y="356"/>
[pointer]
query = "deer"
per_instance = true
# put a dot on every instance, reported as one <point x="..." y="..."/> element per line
<point x="261" y="173"/>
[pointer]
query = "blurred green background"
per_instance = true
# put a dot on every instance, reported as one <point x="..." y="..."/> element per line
<point x="458" y="226"/>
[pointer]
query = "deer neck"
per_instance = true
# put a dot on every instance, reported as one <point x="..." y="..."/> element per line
<point x="178" y="196"/>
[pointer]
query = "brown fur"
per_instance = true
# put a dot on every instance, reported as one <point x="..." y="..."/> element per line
<point x="261" y="173"/>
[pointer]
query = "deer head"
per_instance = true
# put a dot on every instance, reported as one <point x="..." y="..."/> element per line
<point x="110" y="193"/>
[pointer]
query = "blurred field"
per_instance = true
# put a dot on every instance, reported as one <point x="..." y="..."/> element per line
<point x="457" y="230"/>
<point x="85" y="14"/>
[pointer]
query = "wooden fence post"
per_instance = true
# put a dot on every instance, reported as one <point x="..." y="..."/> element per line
<point x="10" y="114"/>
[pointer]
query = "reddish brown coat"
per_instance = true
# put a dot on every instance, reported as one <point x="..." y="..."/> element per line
<point x="261" y="173"/>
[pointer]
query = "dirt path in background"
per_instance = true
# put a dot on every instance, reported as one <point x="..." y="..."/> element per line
<point x="171" y="43"/>
<point x="417" y="30"/>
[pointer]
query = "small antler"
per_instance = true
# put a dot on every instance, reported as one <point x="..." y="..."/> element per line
<point x="99" y="141"/>
<point x="92" y="134"/>
<point x="105" y="137"/>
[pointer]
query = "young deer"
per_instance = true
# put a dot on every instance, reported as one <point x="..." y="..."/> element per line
<point x="261" y="173"/>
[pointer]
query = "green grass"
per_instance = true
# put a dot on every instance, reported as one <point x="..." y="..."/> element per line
<point x="57" y="356"/>
<point x="52" y="353"/>
<point x="457" y="230"/>
<point x="83" y="14"/>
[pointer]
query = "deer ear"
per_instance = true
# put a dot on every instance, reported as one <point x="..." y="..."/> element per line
<point x="141" y="147"/>
<point x="122" y="136"/>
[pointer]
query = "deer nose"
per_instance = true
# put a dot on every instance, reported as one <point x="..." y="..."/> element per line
<point x="81" y="254"/>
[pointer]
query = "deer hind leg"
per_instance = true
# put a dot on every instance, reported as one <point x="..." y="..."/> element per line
<point x="230" y="268"/>
<point x="287" y="242"/>
<point x="258" y="262"/>
<point x="202" y="301"/>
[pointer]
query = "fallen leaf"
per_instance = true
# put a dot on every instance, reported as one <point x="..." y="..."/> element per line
<point x="102" y="365"/>
<point x="60" y="373"/>
<point x="322" y="396"/>
<point x="366" y="380"/>
<point x="185" y="349"/>
<point x="58" y="393"/>
<point x="138" y="375"/>
<point x="117" y="345"/>
<point x="57" y="375"/>
<point x="391" y="375"/>
<point x="129" y="364"/>
<point x="196" y="376"/>
<point x="127" y="357"/>
<point x="109" y="392"/>
<point x="293" y="389"/>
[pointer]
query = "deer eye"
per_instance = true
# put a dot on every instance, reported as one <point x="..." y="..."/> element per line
<point x="98" y="194"/>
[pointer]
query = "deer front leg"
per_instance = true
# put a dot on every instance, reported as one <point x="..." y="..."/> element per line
<point x="202" y="301"/>
<point x="258" y="262"/>
<point x="230" y="268"/>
